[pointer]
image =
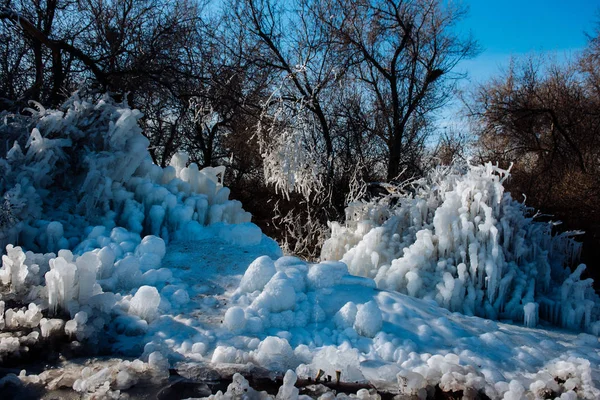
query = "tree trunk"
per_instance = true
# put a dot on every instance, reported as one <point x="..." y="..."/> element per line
<point x="395" y="152"/>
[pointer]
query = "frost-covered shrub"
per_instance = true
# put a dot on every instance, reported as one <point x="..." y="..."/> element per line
<point x="87" y="164"/>
<point x="90" y="214"/>
<point x="460" y="240"/>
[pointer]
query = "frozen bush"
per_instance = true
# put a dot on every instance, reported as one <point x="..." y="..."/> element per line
<point x="459" y="239"/>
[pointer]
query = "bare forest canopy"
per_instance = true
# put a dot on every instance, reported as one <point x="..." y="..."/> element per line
<point x="304" y="101"/>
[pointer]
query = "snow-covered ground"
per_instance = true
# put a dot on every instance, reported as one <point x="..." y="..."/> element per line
<point x="451" y="285"/>
<point x="319" y="317"/>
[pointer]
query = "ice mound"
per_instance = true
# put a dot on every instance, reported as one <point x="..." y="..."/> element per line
<point x="322" y="321"/>
<point x="458" y="239"/>
<point x="289" y="293"/>
<point x="92" y="215"/>
<point x="112" y="183"/>
<point x="321" y="303"/>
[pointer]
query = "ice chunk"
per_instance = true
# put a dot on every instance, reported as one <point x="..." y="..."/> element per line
<point x="60" y="283"/>
<point x="531" y="314"/>
<point x="331" y="359"/>
<point x="14" y="271"/>
<point x="28" y="317"/>
<point x="49" y="327"/>
<point x="240" y="388"/>
<point x="288" y="391"/>
<point x="228" y="354"/>
<point x="145" y="303"/>
<point x="91" y="383"/>
<point x="411" y="382"/>
<point x="368" y="319"/>
<point x="258" y="274"/>
<point x="127" y="272"/>
<point x="346" y="316"/>
<point x="88" y="266"/>
<point x="150" y="252"/>
<point x="278" y="295"/>
<point x="235" y="319"/>
<point x="107" y="258"/>
<point x="159" y="365"/>
<point x="77" y="326"/>
<point x="275" y="354"/>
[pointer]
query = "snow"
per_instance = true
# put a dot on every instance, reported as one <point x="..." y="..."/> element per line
<point x="452" y="284"/>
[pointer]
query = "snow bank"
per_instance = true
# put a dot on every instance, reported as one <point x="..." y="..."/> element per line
<point x="459" y="240"/>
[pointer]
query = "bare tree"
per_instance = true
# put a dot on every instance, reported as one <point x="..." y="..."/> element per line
<point x="296" y="46"/>
<point x="405" y="51"/>
<point x="541" y="116"/>
<point x="116" y="46"/>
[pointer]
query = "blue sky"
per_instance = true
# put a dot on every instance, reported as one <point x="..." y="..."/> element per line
<point x="510" y="27"/>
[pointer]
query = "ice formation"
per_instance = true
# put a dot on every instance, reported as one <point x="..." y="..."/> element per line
<point x="108" y="253"/>
<point x="319" y="317"/>
<point x="94" y="159"/>
<point x="92" y="215"/>
<point x="459" y="240"/>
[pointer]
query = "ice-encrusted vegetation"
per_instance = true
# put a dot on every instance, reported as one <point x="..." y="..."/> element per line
<point x="457" y="238"/>
<point x="91" y="214"/>
<point x="109" y="254"/>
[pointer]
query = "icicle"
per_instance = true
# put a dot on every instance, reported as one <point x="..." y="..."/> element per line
<point x="530" y="311"/>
